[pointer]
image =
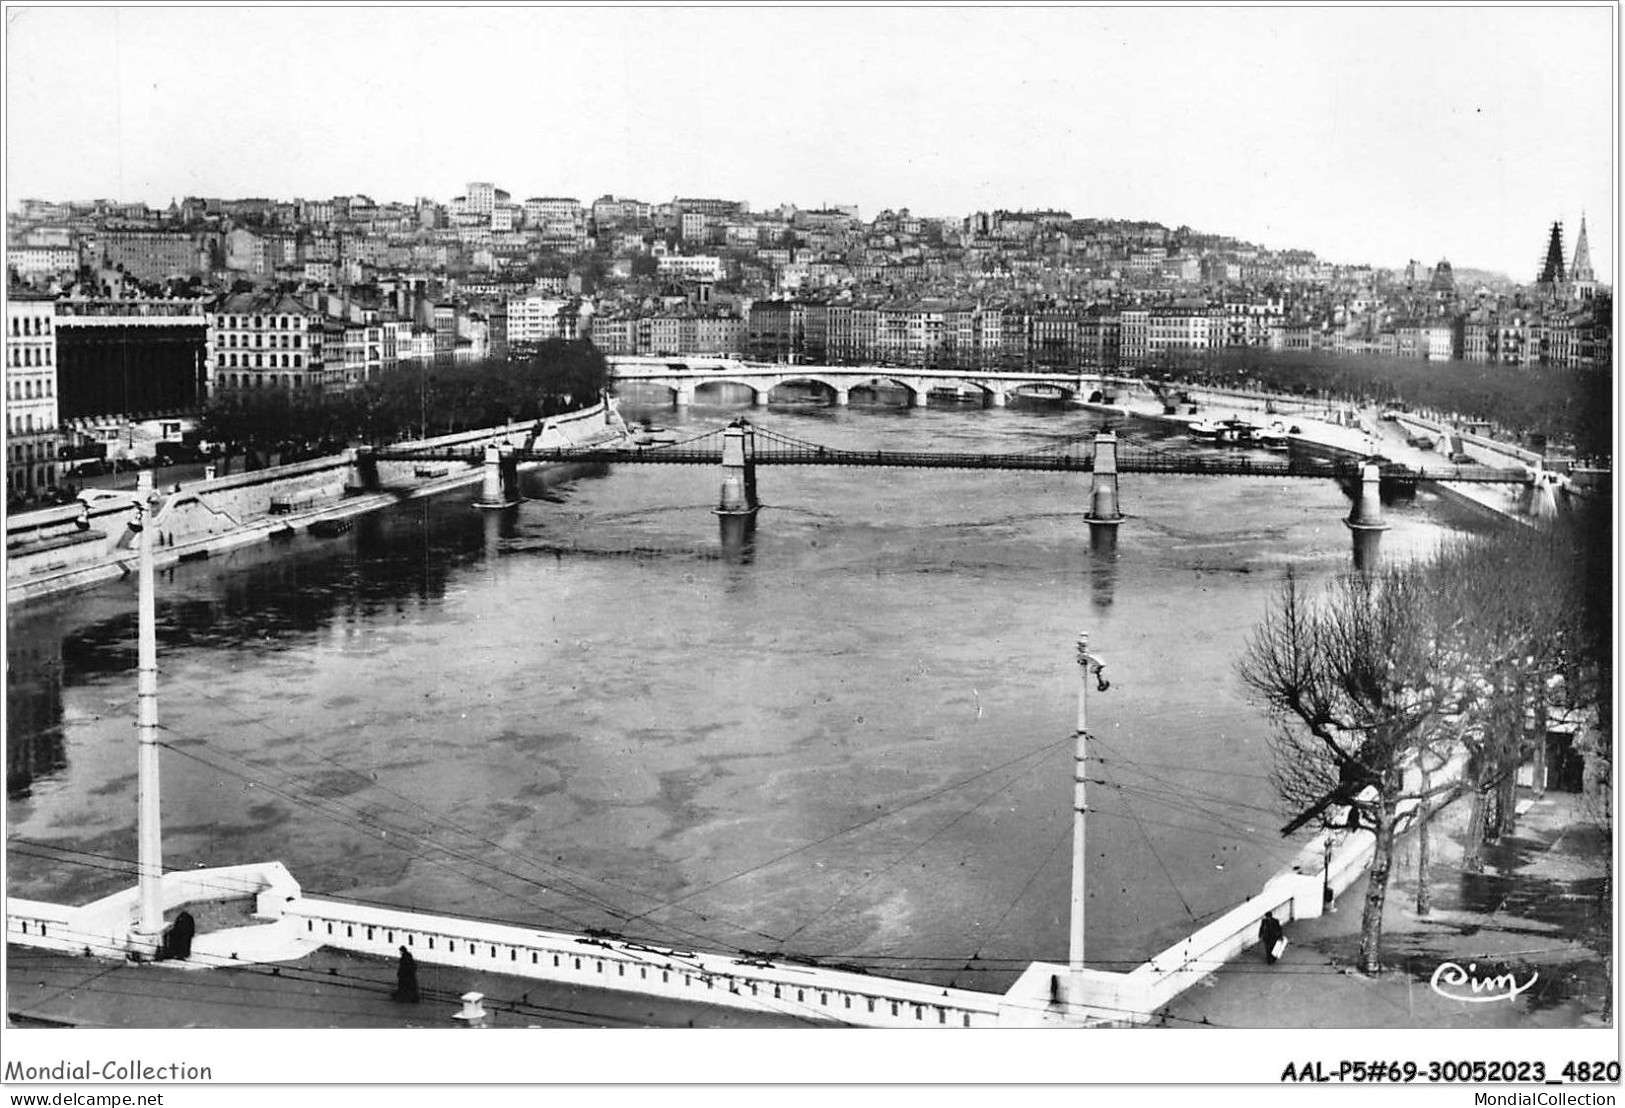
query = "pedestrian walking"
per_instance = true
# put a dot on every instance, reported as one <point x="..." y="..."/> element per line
<point x="406" y="978"/>
<point x="1269" y="934"/>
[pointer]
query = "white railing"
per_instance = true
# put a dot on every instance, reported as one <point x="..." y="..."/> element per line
<point x="806" y="992"/>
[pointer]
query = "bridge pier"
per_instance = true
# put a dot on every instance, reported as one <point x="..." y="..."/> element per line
<point x="917" y="395"/>
<point x="738" y="495"/>
<point x="843" y="397"/>
<point x="1367" y="550"/>
<point x="738" y="532"/>
<point x="1103" y="511"/>
<point x="683" y="395"/>
<point x="758" y="397"/>
<point x="997" y="398"/>
<point x="499" y="483"/>
<point x="364" y="470"/>
<point x="1540" y="499"/>
<point x="1365" y="520"/>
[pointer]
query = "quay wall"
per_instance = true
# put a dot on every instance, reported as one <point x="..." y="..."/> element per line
<point x="73" y="546"/>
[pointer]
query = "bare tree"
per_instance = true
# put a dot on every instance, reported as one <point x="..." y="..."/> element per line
<point x="1386" y="681"/>
<point x="1513" y="610"/>
<point x="1353" y="681"/>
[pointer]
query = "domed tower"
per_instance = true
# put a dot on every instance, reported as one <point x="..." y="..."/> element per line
<point x="1444" y="278"/>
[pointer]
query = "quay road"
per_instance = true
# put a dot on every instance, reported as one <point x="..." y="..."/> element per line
<point x="327" y="988"/>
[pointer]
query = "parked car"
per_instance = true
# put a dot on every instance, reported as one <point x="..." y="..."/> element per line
<point x="96" y="467"/>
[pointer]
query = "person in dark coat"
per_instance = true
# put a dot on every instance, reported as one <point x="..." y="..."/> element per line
<point x="1269" y="933"/>
<point x="406" y="978"/>
<point x="177" y="942"/>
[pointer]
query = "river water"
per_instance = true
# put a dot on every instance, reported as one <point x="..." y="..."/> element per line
<point x="849" y="737"/>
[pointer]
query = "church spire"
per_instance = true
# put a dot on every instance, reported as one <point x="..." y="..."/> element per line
<point x="1553" y="272"/>
<point x="1582" y="257"/>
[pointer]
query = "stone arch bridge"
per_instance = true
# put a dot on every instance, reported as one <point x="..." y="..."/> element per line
<point x="684" y="374"/>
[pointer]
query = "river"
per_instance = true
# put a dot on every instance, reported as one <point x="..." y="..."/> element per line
<point x="849" y="738"/>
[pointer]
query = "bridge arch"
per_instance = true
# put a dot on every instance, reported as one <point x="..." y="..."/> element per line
<point x="843" y="384"/>
<point x="1052" y="390"/>
<point x="837" y="390"/>
<point x="759" y="390"/>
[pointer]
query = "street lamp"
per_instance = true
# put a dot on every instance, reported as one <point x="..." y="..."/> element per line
<point x="1088" y="665"/>
<point x="148" y="931"/>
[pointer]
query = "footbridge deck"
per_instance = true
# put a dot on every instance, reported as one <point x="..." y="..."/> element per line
<point x="771" y="448"/>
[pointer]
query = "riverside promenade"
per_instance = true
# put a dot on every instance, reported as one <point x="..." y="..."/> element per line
<point x="1345" y="429"/>
<point x="1538" y="909"/>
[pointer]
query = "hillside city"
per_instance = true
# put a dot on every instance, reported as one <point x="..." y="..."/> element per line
<point x="119" y="312"/>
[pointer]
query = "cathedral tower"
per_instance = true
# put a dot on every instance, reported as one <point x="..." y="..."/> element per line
<point x="1582" y="258"/>
<point x="1553" y="272"/>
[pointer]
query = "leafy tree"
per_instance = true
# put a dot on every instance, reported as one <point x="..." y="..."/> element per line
<point x="257" y="423"/>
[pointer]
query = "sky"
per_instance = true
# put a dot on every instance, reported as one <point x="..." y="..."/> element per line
<point x="1366" y="134"/>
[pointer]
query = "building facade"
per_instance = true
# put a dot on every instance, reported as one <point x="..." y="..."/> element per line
<point x="31" y="395"/>
<point x="130" y="358"/>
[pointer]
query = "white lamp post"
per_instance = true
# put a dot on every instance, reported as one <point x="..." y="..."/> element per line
<point x="1087" y="664"/>
<point x="149" y="926"/>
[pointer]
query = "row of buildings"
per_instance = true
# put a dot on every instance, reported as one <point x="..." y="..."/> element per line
<point x="155" y="311"/>
<point x="950" y="334"/>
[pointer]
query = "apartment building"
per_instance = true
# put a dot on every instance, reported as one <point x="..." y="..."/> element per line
<point x="535" y="319"/>
<point x="43" y="261"/>
<point x="266" y="340"/>
<point x="776" y="330"/>
<point x="152" y="255"/>
<point x="701" y="266"/>
<point x="31" y="394"/>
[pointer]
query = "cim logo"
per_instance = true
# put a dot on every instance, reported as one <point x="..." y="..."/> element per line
<point x="1455" y="983"/>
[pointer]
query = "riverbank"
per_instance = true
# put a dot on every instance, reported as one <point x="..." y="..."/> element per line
<point x="72" y="547"/>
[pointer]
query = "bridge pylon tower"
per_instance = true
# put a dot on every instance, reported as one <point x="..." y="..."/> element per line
<point x="499" y="483"/>
<point x="1103" y="509"/>
<point x="738" y="494"/>
<point x="1366" y="514"/>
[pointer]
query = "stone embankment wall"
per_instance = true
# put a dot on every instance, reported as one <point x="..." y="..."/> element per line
<point x="1485" y="450"/>
<point x="75" y="545"/>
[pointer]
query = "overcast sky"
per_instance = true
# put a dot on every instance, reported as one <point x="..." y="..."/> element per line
<point x="1365" y="134"/>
